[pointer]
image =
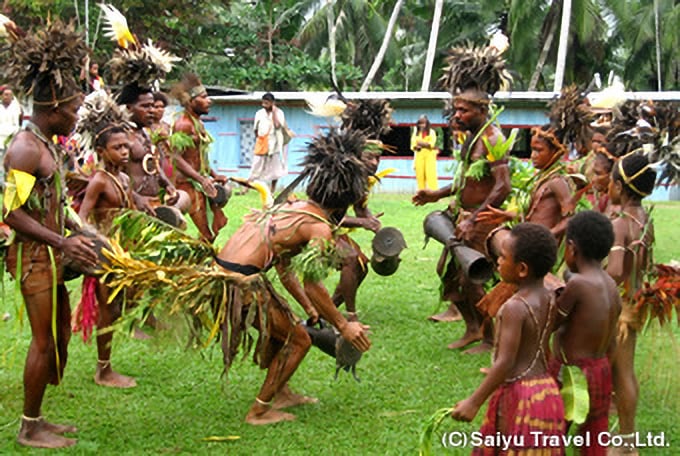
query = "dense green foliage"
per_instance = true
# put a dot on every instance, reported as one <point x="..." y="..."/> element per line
<point x="284" y="44"/>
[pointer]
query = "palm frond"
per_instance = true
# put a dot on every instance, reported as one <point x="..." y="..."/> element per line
<point x="147" y="238"/>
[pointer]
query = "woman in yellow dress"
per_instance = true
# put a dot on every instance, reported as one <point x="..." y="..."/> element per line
<point x="425" y="153"/>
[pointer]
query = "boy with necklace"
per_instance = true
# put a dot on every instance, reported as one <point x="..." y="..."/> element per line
<point x="525" y="399"/>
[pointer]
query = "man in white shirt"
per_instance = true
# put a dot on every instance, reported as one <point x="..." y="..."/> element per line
<point x="271" y="122"/>
<point x="10" y="121"/>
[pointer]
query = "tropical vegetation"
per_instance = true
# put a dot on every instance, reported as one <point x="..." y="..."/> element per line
<point x="302" y="44"/>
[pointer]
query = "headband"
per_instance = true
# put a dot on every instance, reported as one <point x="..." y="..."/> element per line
<point x="196" y="91"/>
<point x="629" y="180"/>
<point x="549" y="137"/>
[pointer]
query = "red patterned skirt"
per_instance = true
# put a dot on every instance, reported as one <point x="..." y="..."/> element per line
<point x="598" y="373"/>
<point x="530" y="414"/>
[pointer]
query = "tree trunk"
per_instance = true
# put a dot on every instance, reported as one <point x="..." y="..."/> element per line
<point x="564" y="42"/>
<point x="432" y="46"/>
<point x="543" y="57"/>
<point x="657" y="36"/>
<point x="331" y="39"/>
<point x="383" y="48"/>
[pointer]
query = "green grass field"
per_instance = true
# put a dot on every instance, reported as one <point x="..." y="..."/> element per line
<point x="408" y="374"/>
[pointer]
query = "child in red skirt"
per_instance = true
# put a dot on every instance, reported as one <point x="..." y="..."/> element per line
<point x="587" y="315"/>
<point x="525" y="408"/>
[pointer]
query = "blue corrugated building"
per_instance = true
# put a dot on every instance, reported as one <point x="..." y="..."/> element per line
<point x="231" y="123"/>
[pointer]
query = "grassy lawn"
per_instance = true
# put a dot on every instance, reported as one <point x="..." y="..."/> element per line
<point x="408" y="374"/>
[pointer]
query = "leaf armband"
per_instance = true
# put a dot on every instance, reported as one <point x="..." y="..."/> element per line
<point x="316" y="260"/>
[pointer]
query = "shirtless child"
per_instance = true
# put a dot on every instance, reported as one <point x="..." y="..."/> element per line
<point x="525" y="399"/>
<point x="551" y="201"/>
<point x="551" y="204"/>
<point x="632" y="180"/>
<point x="588" y="311"/>
<point x="107" y="193"/>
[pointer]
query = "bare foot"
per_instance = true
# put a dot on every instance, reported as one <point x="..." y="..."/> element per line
<point x="286" y="398"/>
<point x="35" y="434"/>
<point x="59" y="428"/>
<point x="105" y="376"/>
<point x="268" y="416"/>
<point x="484" y="370"/>
<point x="140" y="335"/>
<point x="484" y="347"/>
<point x="449" y="315"/>
<point x="468" y="338"/>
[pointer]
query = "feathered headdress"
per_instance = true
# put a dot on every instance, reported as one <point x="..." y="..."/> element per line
<point x="570" y="121"/>
<point x="9" y="30"/>
<point x="322" y="105"/>
<point x="45" y="63"/>
<point x="570" y="116"/>
<point x="188" y="88"/>
<point x="623" y="136"/>
<point x="133" y="61"/>
<point x="475" y="74"/>
<point x="371" y="117"/>
<point x="666" y="151"/>
<point x="99" y="113"/>
<point x="337" y="176"/>
<point x="650" y="128"/>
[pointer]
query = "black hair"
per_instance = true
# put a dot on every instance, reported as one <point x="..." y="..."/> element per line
<point x="604" y="158"/>
<point x="102" y="139"/>
<point x="592" y="233"/>
<point x="268" y="96"/>
<point x="534" y="245"/>
<point x="130" y="93"/>
<point x="160" y="96"/>
<point x="633" y="164"/>
<point x="337" y="175"/>
<point x="428" y="125"/>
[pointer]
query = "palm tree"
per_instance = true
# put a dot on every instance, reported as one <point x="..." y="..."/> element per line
<point x="461" y="22"/>
<point x="634" y="32"/>
<point x="562" y="49"/>
<point x="358" y="27"/>
<point x="532" y="46"/>
<point x="432" y="46"/>
<point x="383" y="48"/>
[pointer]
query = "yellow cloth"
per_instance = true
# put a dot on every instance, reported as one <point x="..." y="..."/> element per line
<point x="372" y="180"/>
<point x="18" y="189"/>
<point x="425" y="161"/>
